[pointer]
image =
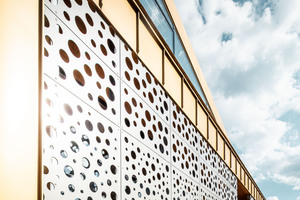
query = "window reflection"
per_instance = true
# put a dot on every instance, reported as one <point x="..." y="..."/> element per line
<point x="160" y="17"/>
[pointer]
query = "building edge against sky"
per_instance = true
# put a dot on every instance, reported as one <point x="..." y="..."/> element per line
<point x="19" y="142"/>
<point x="214" y="131"/>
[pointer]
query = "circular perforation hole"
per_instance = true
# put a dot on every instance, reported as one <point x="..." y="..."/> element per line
<point x="103" y="49"/>
<point x="46" y="54"/>
<point x="113" y="195"/>
<point x="102" y="102"/>
<point x="110" y="94"/>
<point x="68" y="109"/>
<point x="100" y="34"/>
<point x="79" y="2"/>
<point x="92" y="5"/>
<point x="134" y="57"/>
<point x="89" y="125"/>
<point x="102" y="25"/>
<point x="105" y="154"/>
<point x="74" y="147"/>
<point x="112" y="31"/>
<point x="80" y="24"/>
<point x="87" y="70"/>
<point x="59" y="29"/>
<point x="48" y="40"/>
<point x="45" y="170"/>
<point x="50" y="186"/>
<point x="62" y="73"/>
<point x="100" y="127"/>
<point x="127" y="189"/>
<point x="66" y="16"/>
<point x="127" y="76"/>
<point x="63" y="154"/>
<point x="148" y="77"/>
<point x="78" y="77"/>
<point x="128" y="63"/>
<point x="111" y="46"/>
<point x="64" y="55"/>
<point x="46" y="22"/>
<point x="85" y="140"/>
<point x="51" y="131"/>
<point x="128" y="107"/>
<point x="87" y="55"/>
<point x="100" y="71"/>
<point x="69" y="172"/>
<point x="93" y="43"/>
<point x="112" y="80"/>
<point x="93" y="187"/>
<point x="89" y="19"/>
<point x="85" y="162"/>
<point x="74" y="48"/>
<point x="136" y="83"/>
<point x="68" y="3"/>
<point x="113" y="169"/>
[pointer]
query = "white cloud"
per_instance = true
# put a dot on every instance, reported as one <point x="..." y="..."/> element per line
<point x="252" y="77"/>
<point x="272" y="198"/>
<point x="298" y="198"/>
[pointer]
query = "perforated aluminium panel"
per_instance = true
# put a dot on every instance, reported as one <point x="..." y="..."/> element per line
<point x="74" y="66"/>
<point x="84" y="21"/>
<point x="137" y="77"/>
<point x="214" y="172"/>
<point x="184" y="187"/>
<point x="143" y="123"/>
<point x="110" y="130"/>
<point x="81" y="148"/>
<point x="184" y="128"/>
<point x="184" y="158"/>
<point x="145" y="175"/>
<point x="214" y="176"/>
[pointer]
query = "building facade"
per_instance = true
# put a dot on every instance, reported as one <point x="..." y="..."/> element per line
<point x="124" y="110"/>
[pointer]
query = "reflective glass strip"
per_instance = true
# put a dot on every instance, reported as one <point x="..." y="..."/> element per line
<point x="184" y="62"/>
<point x="159" y="15"/>
<point x="165" y="12"/>
<point x="159" y="20"/>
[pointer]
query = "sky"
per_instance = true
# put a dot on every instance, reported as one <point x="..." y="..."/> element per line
<point x="249" y="52"/>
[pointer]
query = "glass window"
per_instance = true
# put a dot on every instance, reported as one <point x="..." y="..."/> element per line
<point x="159" y="20"/>
<point x="186" y="65"/>
<point x="160" y="17"/>
<point x="165" y="12"/>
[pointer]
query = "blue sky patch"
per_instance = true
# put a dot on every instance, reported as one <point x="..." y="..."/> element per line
<point x="296" y="76"/>
<point x="218" y="12"/>
<point x="240" y="2"/>
<point x="200" y="10"/>
<point x="226" y="37"/>
<point x="292" y="117"/>
<point x="292" y="137"/>
<point x="282" y="191"/>
<point x="259" y="6"/>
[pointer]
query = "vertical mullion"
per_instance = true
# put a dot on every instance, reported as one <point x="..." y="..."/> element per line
<point x="138" y="16"/>
<point x="207" y="121"/>
<point x="163" y="66"/>
<point x="182" y="81"/>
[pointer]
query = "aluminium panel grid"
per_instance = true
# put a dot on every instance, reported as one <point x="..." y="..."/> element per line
<point x="110" y="130"/>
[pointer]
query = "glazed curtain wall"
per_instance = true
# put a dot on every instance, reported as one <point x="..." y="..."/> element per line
<point x="110" y="131"/>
